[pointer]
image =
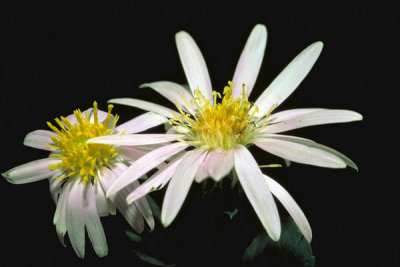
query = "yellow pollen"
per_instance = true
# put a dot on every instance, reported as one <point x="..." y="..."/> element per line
<point x="223" y="125"/>
<point x="77" y="157"/>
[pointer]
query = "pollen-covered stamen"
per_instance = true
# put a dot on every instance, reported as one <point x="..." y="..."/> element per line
<point x="222" y="125"/>
<point x="77" y="157"/>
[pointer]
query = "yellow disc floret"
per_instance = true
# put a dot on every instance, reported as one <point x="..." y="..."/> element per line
<point x="222" y="125"/>
<point x="79" y="159"/>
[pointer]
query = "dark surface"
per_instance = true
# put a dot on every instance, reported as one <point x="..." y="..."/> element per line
<point x="58" y="57"/>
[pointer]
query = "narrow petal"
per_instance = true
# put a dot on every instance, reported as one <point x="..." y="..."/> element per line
<point x="291" y="113"/>
<point x="32" y="171"/>
<point x="103" y="204"/>
<point x="155" y="182"/>
<point x="202" y="171"/>
<point x="250" y="60"/>
<point x="93" y="224"/>
<point x="55" y="186"/>
<point x="145" y="164"/>
<point x="180" y="184"/>
<point x="291" y="206"/>
<point x="173" y="92"/>
<point x="142" y="205"/>
<point x="300" y="150"/>
<point x="193" y="64"/>
<point x="220" y="164"/>
<point x="60" y="219"/>
<point x="135" y="139"/>
<point x="145" y="105"/>
<point x="39" y="139"/>
<point x="257" y="191"/>
<point x="288" y="80"/>
<point x="129" y="154"/>
<point x="324" y="116"/>
<point x="75" y="217"/>
<point x="142" y="123"/>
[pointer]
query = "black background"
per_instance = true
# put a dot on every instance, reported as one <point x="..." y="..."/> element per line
<point x="56" y="57"/>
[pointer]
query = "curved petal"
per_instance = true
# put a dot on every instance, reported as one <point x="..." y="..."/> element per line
<point x="193" y="64"/>
<point x="250" y="60"/>
<point x="145" y="105"/>
<point x="291" y="206"/>
<point x="288" y="80"/>
<point x="220" y="164"/>
<point x="129" y="154"/>
<point x="141" y="123"/>
<point x="291" y="113"/>
<point x="103" y="204"/>
<point x="60" y="219"/>
<point x="202" y="171"/>
<point x="55" y="186"/>
<point x="135" y="139"/>
<point x="180" y="184"/>
<point x="39" y="139"/>
<point x="32" y="171"/>
<point x="142" y="206"/>
<point x="257" y="191"/>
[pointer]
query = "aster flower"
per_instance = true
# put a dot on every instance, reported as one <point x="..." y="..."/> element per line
<point x="80" y="174"/>
<point x="219" y="132"/>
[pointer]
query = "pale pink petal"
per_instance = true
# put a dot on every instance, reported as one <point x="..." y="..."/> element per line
<point x="220" y="163"/>
<point x="129" y="154"/>
<point x="202" y="171"/>
<point x="55" y="186"/>
<point x="291" y="113"/>
<point x="39" y="139"/>
<point x="142" y="206"/>
<point x="103" y="204"/>
<point x="60" y="219"/>
<point x="134" y="139"/>
<point x="141" y="123"/>
<point x="145" y="105"/>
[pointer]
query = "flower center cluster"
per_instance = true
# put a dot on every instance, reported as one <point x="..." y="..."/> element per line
<point x="78" y="158"/>
<point x="220" y="125"/>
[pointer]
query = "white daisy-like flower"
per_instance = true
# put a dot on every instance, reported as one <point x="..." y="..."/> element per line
<point x="219" y="132"/>
<point x="81" y="173"/>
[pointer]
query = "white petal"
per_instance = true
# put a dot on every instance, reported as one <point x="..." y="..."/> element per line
<point x="103" y="204"/>
<point x="155" y="182"/>
<point x="193" y="64"/>
<point x="55" y="186"/>
<point x="319" y="117"/>
<point x="39" y="139"/>
<point x="75" y="217"/>
<point x="93" y="224"/>
<point x="257" y="191"/>
<point x="250" y="60"/>
<point x="288" y="80"/>
<point x="291" y="113"/>
<point x="298" y="150"/>
<point x="135" y="139"/>
<point x="145" y="105"/>
<point x="32" y="171"/>
<point x="173" y="92"/>
<point x="60" y="219"/>
<point x="145" y="164"/>
<point x="291" y="206"/>
<point x="142" y="123"/>
<point x="202" y="171"/>
<point x="142" y="205"/>
<point x="220" y="164"/>
<point x="179" y="185"/>
<point x="129" y="154"/>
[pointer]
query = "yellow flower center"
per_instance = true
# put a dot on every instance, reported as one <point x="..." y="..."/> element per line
<point x="78" y="158"/>
<point x="220" y="125"/>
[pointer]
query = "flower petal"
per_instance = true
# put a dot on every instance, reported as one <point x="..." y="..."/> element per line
<point x="288" y="80"/>
<point x="291" y="206"/>
<point x="250" y="60"/>
<point x="220" y="164"/>
<point x="257" y="191"/>
<point x="145" y="164"/>
<point x="60" y="219"/>
<point x="291" y="113"/>
<point x="299" y="150"/>
<point x="142" y="123"/>
<point x="142" y="205"/>
<point x="324" y="116"/>
<point x="202" y="171"/>
<point x="93" y="224"/>
<point x="180" y="184"/>
<point x="135" y="139"/>
<point x="32" y="171"/>
<point x="103" y="204"/>
<point x="55" y="186"/>
<point x="193" y="64"/>
<point x="39" y="139"/>
<point x="129" y="154"/>
<point x="145" y="105"/>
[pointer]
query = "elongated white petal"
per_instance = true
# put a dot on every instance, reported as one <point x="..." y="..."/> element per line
<point x="193" y="64"/>
<point x="142" y="206"/>
<point x="145" y="105"/>
<point x="250" y="60"/>
<point x="55" y="186"/>
<point x="291" y="113"/>
<point x="93" y="224"/>
<point x="172" y="91"/>
<point x="142" y="123"/>
<point x="319" y="117"/>
<point x="257" y="191"/>
<point x="180" y="184"/>
<point x="32" y="171"/>
<point x="135" y="139"/>
<point x="129" y="154"/>
<point x="220" y="164"/>
<point x="145" y="164"/>
<point x="39" y="139"/>
<point x="291" y="206"/>
<point x="202" y="171"/>
<point x="300" y="151"/>
<point x="75" y="217"/>
<point x="103" y="204"/>
<point x="60" y="216"/>
<point x="156" y="182"/>
<point x="288" y="80"/>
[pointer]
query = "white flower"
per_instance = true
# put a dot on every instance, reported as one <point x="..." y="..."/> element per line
<point x="220" y="131"/>
<point x="80" y="174"/>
